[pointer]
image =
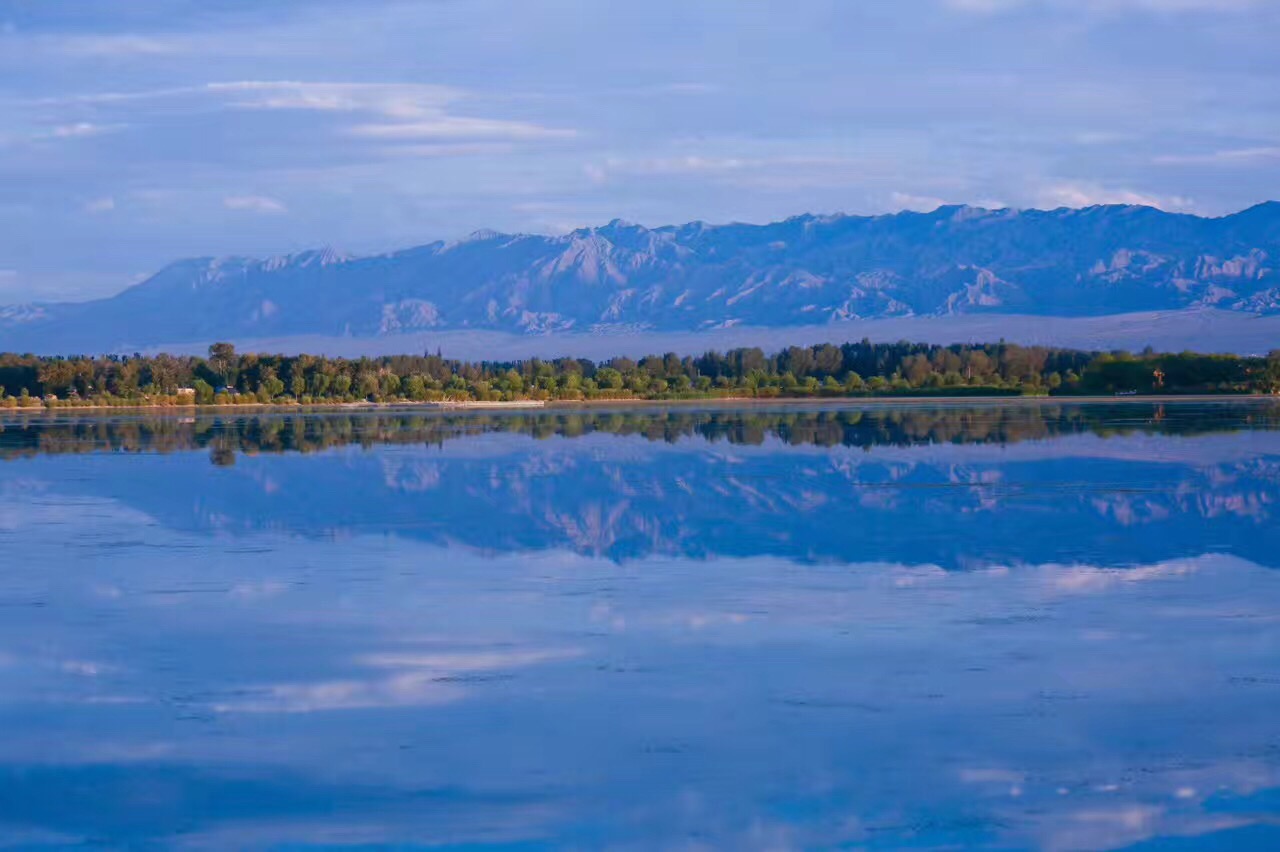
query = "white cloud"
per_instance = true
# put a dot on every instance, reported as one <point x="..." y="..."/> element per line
<point x="1182" y="5"/>
<point x="118" y="46"/>
<point x="919" y="203"/>
<point x="600" y="173"/>
<point x="405" y="680"/>
<point x="100" y="205"/>
<point x="1086" y="578"/>
<point x="455" y="127"/>
<point x="154" y="197"/>
<point x="691" y="164"/>
<point x="685" y="89"/>
<point x="983" y="7"/>
<point x="1101" y="137"/>
<point x="992" y="776"/>
<point x="927" y="203"/>
<point x="786" y="168"/>
<point x="1242" y="156"/>
<point x="80" y="129"/>
<point x="254" y="204"/>
<point x="407" y="112"/>
<point x="994" y="7"/>
<point x="432" y="151"/>
<point x="414" y="111"/>
<point x="412" y="689"/>
<point x="75" y="130"/>
<point x="393" y="100"/>
<point x="596" y="173"/>
<point x="1080" y="194"/>
<point x="403" y="101"/>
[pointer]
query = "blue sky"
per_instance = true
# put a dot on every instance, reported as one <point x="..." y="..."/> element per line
<point x="134" y="133"/>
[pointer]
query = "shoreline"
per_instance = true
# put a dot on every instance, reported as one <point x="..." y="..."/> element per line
<point x="545" y="405"/>
<point x="915" y="400"/>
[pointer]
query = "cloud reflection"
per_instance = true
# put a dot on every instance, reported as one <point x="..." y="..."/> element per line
<point x="983" y="658"/>
<point x="404" y="680"/>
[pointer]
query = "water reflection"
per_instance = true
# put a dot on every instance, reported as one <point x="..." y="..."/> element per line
<point x="954" y="486"/>
<point x="609" y="640"/>
<point x="824" y="425"/>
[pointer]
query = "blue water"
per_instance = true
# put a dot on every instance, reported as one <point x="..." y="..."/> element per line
<point x="1014" y="626"/>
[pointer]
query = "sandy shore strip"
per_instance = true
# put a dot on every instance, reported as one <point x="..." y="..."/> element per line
<point x="715" y="402"/>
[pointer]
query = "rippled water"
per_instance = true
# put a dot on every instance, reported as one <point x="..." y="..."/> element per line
<point x="1025" y="625"/>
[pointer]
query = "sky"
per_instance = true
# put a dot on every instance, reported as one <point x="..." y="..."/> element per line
<point x="136" y="133"/>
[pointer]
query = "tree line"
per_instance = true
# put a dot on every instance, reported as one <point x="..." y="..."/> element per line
<point x="864" y="368"/>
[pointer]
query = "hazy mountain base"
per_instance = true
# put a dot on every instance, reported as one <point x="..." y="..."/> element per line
<point x="1206" y="331"/>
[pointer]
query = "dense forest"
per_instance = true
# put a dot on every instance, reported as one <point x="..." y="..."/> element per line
<point x="226" y="377"/>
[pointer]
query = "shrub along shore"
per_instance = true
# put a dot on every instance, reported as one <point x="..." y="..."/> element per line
<point x="863" y="369"/>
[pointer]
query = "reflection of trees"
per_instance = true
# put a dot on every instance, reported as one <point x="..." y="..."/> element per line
<point x="223" y="436"/>
<point x="221" y="455"/>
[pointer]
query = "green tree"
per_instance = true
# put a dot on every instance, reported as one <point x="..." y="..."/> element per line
<point x="415" y="387"/>
<point x="223" y="361"/>
<point x="366" y="385"/>
<point x="204" y="391"/>
<point x="609" y="378"/>
<point x="270" y="387"/>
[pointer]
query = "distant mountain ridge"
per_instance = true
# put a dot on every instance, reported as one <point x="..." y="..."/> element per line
<point x="801" y="271"/>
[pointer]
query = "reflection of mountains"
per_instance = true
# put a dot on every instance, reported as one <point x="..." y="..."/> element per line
<point x="849" y="426"/>
<point x="1062" y="506"/>
<point x="897" y="491"/>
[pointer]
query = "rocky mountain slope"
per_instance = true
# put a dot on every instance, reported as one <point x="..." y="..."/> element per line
<point x="801" y="271"/>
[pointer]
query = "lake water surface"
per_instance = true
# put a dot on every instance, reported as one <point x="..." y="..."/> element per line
<point x="1023" y="625"/>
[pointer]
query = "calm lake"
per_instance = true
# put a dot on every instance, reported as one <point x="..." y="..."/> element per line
<point x="1026" y="625"/>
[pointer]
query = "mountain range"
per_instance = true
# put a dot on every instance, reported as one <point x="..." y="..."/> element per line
<point x="805" y="270"/>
